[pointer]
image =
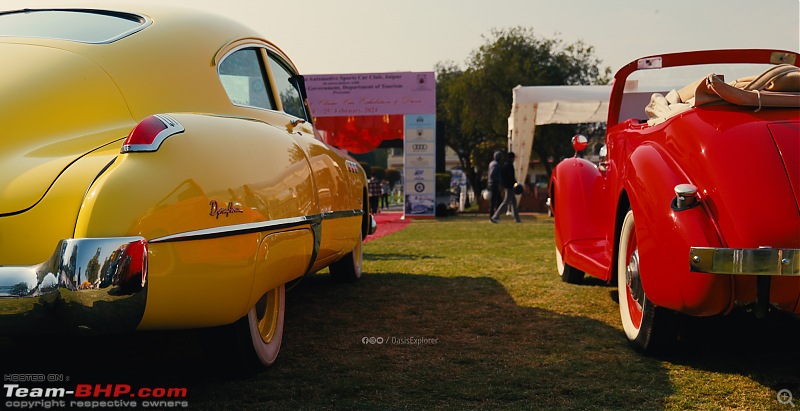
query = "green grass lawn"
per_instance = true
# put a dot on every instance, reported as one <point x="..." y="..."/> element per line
<point x="472" y="316"/>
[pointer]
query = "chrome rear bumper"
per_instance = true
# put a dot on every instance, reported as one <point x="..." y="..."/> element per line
<point x="88" y="284"/>
<point x="373" y="226"/>
<point x="745" y="261"/>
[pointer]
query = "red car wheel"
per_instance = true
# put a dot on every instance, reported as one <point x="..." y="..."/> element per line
<point x="649" y="329"/>
<point x="568" y="273"/>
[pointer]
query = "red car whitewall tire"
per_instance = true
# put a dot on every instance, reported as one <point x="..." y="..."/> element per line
<point x="649" y="329"/>
<point x="568" y="273"/>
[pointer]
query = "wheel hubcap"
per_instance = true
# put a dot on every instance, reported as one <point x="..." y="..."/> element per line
<point x="635" y="291"/>
<point x="633" y="280"/>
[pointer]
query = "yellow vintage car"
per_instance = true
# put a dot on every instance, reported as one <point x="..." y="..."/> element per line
<point x="159" y="170"/>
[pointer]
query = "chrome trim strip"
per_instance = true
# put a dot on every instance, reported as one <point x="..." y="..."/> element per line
<point x="341" y="214"/>
<point x="80" y="288"/>
<point x="316" y="228"/>
<point x="237" y="229"/>
<point x="745" y="261"/>
<point x="249" y="228"/>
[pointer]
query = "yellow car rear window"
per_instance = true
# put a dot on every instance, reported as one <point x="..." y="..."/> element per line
<point x="85" y="26"/>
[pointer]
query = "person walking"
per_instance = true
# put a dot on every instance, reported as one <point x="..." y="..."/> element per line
<point x="494" y="182"/>
<point x="507" y="179"/>
<point x="385" y="194"/>
<point x="374" y="188"/>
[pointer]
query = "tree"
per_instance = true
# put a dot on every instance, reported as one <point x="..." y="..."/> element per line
<point x="20" y="289"/>
<point x="393" y="175"/>
<point x="475" y="102"/>
<point x="555" y="141"/>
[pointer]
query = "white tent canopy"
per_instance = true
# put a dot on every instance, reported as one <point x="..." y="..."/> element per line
<point x="539" y="105"/>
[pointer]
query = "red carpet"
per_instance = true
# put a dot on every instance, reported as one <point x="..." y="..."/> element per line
<point x="388" y="222"/>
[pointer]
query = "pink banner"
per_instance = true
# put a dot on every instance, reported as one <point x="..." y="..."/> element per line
<point x="369" y="94"/>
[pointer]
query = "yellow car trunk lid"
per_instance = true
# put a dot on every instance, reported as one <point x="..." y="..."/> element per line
<point x="55" y="106"/>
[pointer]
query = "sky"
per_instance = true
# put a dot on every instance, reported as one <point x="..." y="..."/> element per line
<point x="364" y="36"/>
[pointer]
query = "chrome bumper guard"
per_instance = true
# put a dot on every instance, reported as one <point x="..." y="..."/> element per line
<point x="745" y="261"/>
<point x="88" y="284"/>
<point x="373" y="226"/>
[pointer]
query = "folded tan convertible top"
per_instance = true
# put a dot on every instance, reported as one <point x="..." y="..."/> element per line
<point x="777" y="87"/>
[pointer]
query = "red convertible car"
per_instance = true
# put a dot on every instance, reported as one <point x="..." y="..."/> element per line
<point x="695" y="208"/>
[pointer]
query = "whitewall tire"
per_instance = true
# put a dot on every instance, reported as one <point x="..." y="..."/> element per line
<point x="568" y="273"/>
<point x="348" y="268"/>
<point x="649" y="329"/>
<point x="261" y="330"/>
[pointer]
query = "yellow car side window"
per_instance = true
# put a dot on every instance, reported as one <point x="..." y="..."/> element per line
<point x="290" y="97"/>
<point x="242" y="76"/>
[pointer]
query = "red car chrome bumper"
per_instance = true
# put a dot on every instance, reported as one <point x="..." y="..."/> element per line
<point x="745" y="261"/>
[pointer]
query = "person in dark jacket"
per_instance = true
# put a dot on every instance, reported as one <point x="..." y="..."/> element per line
<point x="494" y="182"/>
<point x="507" y="179"/>
<point x="375" y="192"/>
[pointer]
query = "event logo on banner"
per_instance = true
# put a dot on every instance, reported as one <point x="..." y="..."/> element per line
<point x="420" y="135"/>
<point x="358" y="112"/>
<point x="371" y="94"/>
<point x="420" y="163"/>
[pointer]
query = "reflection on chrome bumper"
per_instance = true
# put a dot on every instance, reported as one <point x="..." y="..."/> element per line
<point x="373" y="226"/>
<point x="745" y="261"/>
<point x="87" y="284"/>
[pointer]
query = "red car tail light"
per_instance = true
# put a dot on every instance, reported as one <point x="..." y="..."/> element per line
<point x="131" y="272"/>
<point x="150" y="133"/>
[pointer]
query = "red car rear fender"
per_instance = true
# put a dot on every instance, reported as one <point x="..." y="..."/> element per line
<point x="578" y="206"/>
<point x="665" y="236"/>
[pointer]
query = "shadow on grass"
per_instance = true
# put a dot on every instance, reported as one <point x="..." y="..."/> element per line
<point x="447" y="343"/>
<point x="457" y="343"/>
<point x="398" y="256"/>
<point x="596" y="282"/>
<point x="739" y="343"/>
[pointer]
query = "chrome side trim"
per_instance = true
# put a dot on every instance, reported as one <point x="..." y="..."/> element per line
<point x="236" y="229"/>
<point x="87" y="284"/>
<point x="316" y="228"/>
<point x="745" y="261"/>
<point x="341" y="214"/>
<point x="249" y="228"/>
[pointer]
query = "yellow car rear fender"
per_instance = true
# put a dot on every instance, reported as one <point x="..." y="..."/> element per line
<point x="199" y="199"/>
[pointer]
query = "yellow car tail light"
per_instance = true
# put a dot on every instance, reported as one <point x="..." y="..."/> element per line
<point x="150" y="133"/>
